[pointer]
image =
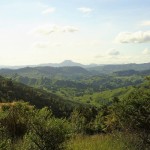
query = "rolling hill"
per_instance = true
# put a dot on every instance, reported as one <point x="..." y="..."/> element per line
<point x="12" y="91"/>
<point x="107" y="69"/>
<point x="36" y="72"/>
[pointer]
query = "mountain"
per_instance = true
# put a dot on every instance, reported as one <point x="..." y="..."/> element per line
<point x="107" y="69"/>
<point x="78" y="88"/>
<point x="95" y="68"/>
<point x="62" y="64"/>
<point x="132" y="72"/>
<point x="103" y="69"/>
<point x="70" y="69"/>
<point x="46" y="71"/>
<point x="70" y="63"/>
<point x="67" y="63"/>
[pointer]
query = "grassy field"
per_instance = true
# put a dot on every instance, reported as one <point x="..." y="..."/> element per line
<point x="104" y="142"/>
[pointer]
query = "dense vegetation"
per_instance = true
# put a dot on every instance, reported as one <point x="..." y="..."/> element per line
<point x="36" y="72"/>
<point x="83" y="111"/>
<point x="11" y="91"/>
<point x="76" y="85"/>
<point x="23" y="127"/>
<point x="107" y="69"/>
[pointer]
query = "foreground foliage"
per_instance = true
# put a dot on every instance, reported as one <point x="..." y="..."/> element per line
<point x="24" y="127"/>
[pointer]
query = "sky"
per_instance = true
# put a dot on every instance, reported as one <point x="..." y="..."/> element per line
<point x="85" y="31"/>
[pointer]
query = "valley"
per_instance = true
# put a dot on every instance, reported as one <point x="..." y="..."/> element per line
<point x="92" y="103"/>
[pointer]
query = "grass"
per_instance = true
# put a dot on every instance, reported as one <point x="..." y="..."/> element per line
<point x="117" y="141"/>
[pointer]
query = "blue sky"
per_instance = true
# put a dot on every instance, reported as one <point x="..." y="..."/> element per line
<point x="97" y="31"/>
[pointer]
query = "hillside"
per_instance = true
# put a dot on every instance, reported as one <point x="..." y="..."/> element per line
<point x="77" y="84"/>
<point x="13" y="91"/>
<point x="105" y="97"/>
<point x="107" y="69"/>
<point x="57" y="72"/>
<point x="72" y="70"/>
<point x="74" y="88"/>
<point x="113" y="111"/>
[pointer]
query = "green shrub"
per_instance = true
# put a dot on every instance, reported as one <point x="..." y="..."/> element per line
<point x="5" y="142"/>
<point x="46" y="132"/>
<point x="28" y="128"/>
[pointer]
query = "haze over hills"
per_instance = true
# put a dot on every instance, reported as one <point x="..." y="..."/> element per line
<point x="62" y="64"/>
<point x="69" y="63"/>
<point x="97" y="68"/>
<point x="73" y="82"/>
<point x="106" y="69"/>
<point x="47" y="71"/>
<point x="69" y="68"/>
<point x="65" y="63"/>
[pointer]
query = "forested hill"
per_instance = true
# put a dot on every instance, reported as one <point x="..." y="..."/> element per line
<point x="107" y="69"/>
<point x="37" y="72"/>
<point x="12" y="91"/>
<point x="132" y="73"/>
<point x="75" y="72"/>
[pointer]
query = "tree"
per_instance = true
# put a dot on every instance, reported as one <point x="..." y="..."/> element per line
<point x="15" y="117"/>
<point x="46" y="132"/>
<point x="78" y="122"/>
<point x="133" y="115"/>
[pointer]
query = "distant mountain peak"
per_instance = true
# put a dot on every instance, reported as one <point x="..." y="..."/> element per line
<point x="70" y="63"/>
<point x="67" y="61"/>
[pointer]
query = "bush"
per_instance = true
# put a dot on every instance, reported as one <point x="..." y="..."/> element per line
<point x="27" y="128"/>
<point x="132" y="115"/>
<point x="15" y="117"/>
<point x="46" y="132"/>
<point x="5" y="142"/>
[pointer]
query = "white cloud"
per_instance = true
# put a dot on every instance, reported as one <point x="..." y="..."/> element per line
<point x="85" y="10"/>
<point x="44" y="45"/>
<point x="145" y="23"/>
<point x="114" y="56"/>
<point x="133" y="37"/>
<point x="49" y="11"/>
<point x="49" y="29"/>
<point x="69" y="29"/>
<point x="57" y="44"/>
<point x="46" y="30"/>
<point x="113" y="52"/>
<point x="114" y="59"/>
<point x="107" y="59"/>
<point x="146" y="51"/>
<point x="40" y="45"/>
<point x="99" y="56"/>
